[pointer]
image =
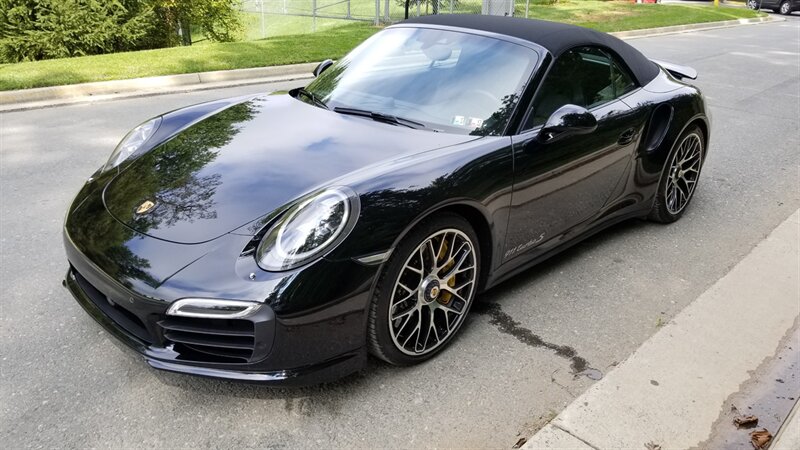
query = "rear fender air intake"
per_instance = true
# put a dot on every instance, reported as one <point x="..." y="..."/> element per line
<point x="658" y="126"/>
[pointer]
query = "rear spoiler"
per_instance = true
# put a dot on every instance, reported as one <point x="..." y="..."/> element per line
<point x="677" y="71"/>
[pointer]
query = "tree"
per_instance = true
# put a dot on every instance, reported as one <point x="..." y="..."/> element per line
<point x="219" y="20"/>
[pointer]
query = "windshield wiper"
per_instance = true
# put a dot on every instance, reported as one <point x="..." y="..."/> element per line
<point x="380" y="117"/>
<point x="311" y="96"/>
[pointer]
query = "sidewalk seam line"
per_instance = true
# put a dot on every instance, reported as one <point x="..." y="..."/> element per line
<point x="559" y="427"/>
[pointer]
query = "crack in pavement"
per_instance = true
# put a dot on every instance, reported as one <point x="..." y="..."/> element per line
<point x="506" y="324"/>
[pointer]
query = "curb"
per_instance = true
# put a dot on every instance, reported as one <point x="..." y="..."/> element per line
<point x="671" y="390"/>
<point x="24" y="99"/>
<point x="788" y="436"/>
<point x="693" y="27"/>
<point x="138" y="87"/>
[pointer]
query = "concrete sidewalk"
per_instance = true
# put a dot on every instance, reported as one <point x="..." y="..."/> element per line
<point x="788" y="438"/>
<point x="672" y="389"/>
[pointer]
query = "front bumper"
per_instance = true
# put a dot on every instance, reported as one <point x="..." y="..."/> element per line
<point x="309" y="346"/>
<point x="121" y="322"/>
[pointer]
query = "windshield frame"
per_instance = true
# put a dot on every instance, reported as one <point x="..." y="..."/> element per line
<point x="526" y="80"/>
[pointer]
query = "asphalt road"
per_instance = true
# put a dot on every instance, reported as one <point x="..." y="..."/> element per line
<point x="63" y="383"/>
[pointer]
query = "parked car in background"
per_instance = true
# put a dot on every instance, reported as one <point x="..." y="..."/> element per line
<point x="784" y="7"/>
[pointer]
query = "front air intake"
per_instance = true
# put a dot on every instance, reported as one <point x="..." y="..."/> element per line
<point x="210" y="340"/>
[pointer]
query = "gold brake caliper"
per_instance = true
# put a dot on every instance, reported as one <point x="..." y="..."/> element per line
<point x="445" y="297"/>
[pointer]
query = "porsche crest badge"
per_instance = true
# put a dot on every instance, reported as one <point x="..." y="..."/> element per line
<point x="145" y="207"/>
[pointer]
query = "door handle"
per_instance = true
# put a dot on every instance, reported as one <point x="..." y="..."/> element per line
<point x="627" y="136"/>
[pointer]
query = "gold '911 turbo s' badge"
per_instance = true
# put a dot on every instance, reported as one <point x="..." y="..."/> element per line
<point x="145" y="207"/>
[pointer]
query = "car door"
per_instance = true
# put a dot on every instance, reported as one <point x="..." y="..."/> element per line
<point x="562" y="183"/>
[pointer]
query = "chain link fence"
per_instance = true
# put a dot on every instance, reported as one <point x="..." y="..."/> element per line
<point x="265" y="18"/>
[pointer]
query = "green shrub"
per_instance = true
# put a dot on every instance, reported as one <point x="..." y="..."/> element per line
<point x="43" y="29"/>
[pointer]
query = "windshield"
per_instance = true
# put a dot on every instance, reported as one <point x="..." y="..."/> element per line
<point x="448" y="81"/>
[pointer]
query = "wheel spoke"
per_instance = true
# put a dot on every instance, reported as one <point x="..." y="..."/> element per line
<point x="413" y="332"/>
<point x="448" y="309"/>
<point x="433" y="327"/>
<point x="457" y="265"/>
<point x="407" y="289"/>
<point x="461" y="286"/>
<point x="441" y="246"/>
<point x="415" y="270"/>
<point x="670" y="191"/>
<point x="452" y="257"/>
<point x="429" y="246"/>
<point x="408" y="318"/>
<point x="428" y="329"/>
<point x="405" y="313"/>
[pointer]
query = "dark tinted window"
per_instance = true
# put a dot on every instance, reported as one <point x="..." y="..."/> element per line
<point x="585" y="76"/>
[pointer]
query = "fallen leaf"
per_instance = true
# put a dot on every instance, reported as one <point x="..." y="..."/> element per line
<point x="520" y="442"/>
<point x="745" y="421"/>
<point x="652" y="446"/>
<point x="760" y="438"/>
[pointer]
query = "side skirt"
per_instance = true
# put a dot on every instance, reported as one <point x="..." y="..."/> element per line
<point x="494" y="280"/>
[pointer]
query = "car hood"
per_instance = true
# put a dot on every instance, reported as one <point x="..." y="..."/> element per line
<point x="247" y="160"/>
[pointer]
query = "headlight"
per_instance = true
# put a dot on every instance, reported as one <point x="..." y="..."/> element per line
<point x="132" y="142"/>
<point x="308" y="229"/>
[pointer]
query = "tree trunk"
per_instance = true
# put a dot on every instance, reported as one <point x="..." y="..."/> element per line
<point x="185" y="31"/>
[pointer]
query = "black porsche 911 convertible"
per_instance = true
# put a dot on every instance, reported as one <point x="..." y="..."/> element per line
<point x="284" y="237"/>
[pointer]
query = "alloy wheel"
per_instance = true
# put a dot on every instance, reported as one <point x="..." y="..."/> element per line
<point x="683" y="173"/>
<point x="433" y="292"/>
<point x="785" y="8"/>
<point x="752" y="4"/>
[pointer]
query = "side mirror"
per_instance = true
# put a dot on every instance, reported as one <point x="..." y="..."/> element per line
<point x="566" y="121"/>
<point x="321" y="67"/>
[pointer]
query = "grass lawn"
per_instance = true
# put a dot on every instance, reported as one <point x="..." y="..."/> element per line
<point x="329" y="42"/>
<point x="611" y="16"/>
<point x="196" y="58"/>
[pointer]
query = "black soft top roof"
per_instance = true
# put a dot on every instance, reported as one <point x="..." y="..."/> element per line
<point x="553" y="36"/>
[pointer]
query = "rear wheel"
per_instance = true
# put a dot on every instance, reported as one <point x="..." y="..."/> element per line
<point x="679" y="180"/>
<point x="425" y="291"/>
<point x="785" y="8"/>
<point x="752" y="4"/>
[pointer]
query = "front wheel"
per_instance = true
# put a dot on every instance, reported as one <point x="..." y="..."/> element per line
<point x="785" y="8"/>
<point x="680" y="176"/>
<point x="425" y="291"/>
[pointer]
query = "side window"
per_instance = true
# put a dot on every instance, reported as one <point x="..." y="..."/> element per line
<point x="584" y="76"/>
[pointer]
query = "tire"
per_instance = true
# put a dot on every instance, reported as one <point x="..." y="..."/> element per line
<point x="752" y="4"/>
<point x="417" y="286"/>
<point x="678" y="182"/>
<point x="785" y="8"/>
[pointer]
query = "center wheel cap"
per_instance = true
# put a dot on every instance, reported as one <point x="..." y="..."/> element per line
<point x="430" y="290"/>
